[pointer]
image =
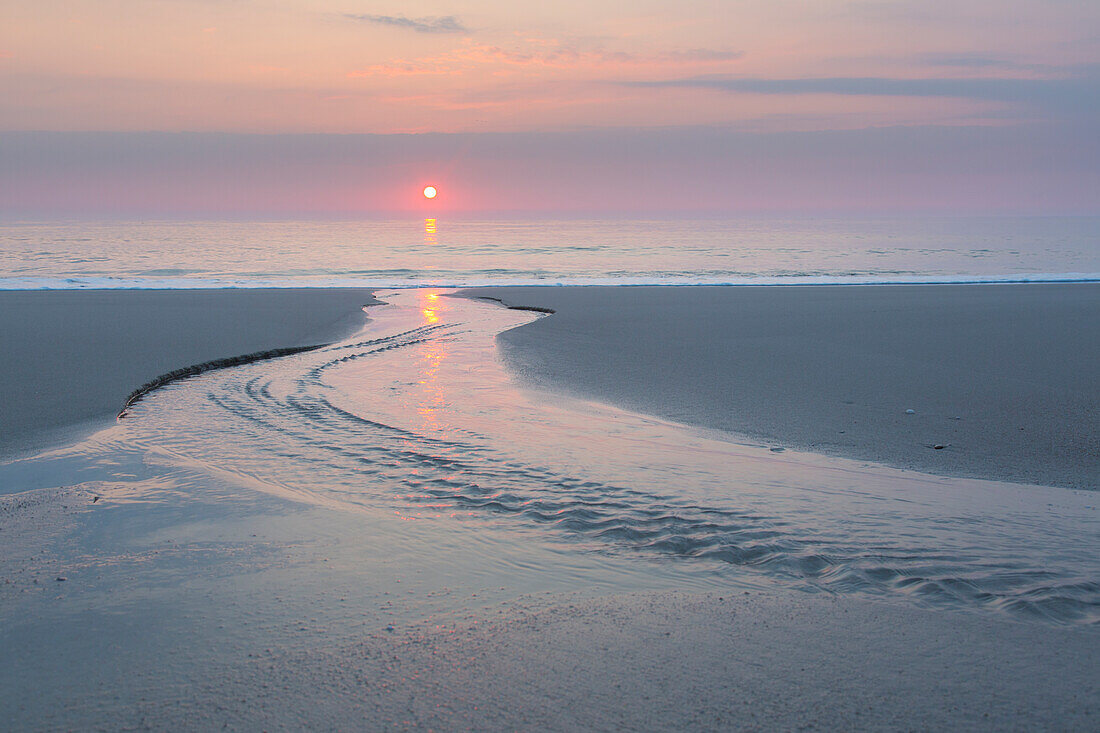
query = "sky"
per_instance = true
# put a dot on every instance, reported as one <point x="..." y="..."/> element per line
<point x="349" y="107"/>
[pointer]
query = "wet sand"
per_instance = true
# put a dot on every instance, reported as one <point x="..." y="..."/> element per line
<point x="71" y="357"/>
<point x="175" y="594"/>
<point x="746" y="661"/>
<point x="1002" y="376"/>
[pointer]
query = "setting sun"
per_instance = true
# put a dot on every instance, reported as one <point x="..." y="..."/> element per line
<point x="429" y="192"/>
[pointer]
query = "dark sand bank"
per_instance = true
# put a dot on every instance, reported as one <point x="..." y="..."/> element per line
<point x="71" y="357"/>
<point x="1004" y="376"/>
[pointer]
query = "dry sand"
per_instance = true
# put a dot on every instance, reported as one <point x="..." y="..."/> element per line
<point x="70" y="357"/>
<point x="1003" y="376"/>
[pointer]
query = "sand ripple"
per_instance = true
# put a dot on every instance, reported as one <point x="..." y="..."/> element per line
<point x="420" y="418"/>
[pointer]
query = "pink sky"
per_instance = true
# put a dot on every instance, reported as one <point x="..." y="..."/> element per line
<point x="988" y="102"/>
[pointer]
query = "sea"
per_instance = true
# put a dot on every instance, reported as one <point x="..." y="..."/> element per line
<point x="445" y="252"/>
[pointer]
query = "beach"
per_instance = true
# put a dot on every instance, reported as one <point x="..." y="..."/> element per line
<point x="1003" y="377"/>
<point x="70" y="358"/>
<point x="749" y="662"/>
<point x="549" y="367"/>
<point x="448" y="518"/>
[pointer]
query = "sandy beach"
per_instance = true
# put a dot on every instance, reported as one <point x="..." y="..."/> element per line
<point x="1002" y="376"/>
<point x="70" y="358"/>
<point x="654" y="661"/>
<point x="360" y="537"/>
<point x="550" y="366"/>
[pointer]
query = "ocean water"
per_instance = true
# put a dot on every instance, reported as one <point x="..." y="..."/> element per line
<point x="444" y="252"/>
<point x="432" y="467"/>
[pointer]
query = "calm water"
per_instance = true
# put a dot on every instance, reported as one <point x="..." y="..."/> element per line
<point x="414" y="432"/>
<point x="443" y="252"/>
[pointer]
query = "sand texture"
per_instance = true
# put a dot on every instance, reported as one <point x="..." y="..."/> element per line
<point x="757" y="660"/>
<point x="391" y="533"/>
<point x="1002" y="376"/>
<point x="71" y="357"/>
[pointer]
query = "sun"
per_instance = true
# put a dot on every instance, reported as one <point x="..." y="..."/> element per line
<point x="430" y="192"/>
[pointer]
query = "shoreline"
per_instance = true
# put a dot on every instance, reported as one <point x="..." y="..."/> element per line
<point x="998" y="375"/>
<point x="571" y="358"/>
<point x="109" y="284"/>
<point x="72" y="357"/>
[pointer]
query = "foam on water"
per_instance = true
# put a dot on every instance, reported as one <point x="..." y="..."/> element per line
<point x="415" y="419"/>
<point x="116" y="283"/>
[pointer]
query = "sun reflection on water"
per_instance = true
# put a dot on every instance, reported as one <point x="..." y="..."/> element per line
<point x="430" y="307"/>
<point x="431" y="399"/>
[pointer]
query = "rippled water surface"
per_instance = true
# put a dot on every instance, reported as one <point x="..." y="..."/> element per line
<point x="413" y="423"/>
<point x="445" y="252"/>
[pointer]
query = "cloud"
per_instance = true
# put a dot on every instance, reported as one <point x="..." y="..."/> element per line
<point x="699" y="55"/>
<point x="966" y="60"/>
<point x="428" y="24"/>
<point x="544" y="54"/>
<point x="1074" y="93"/>
<point x="977" y="61"/>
